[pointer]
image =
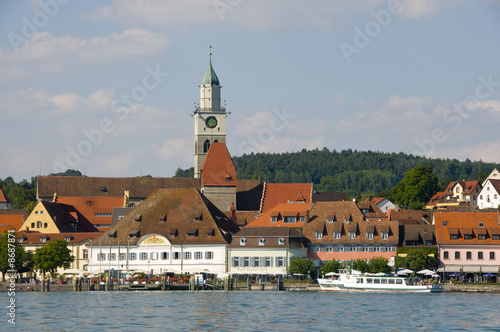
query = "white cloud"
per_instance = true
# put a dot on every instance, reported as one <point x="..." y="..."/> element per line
<point x="485" y="151"/>
<point x="257" y="14"/>
<point x="46" y="53"/>
<point x="176" y="148"/>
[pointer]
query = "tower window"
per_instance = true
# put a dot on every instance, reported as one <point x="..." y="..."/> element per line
<point x="206" y="146"/>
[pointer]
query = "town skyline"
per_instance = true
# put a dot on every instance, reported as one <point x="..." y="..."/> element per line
<point x="118" y="82"/>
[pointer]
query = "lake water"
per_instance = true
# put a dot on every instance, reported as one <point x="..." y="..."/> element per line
<point x="253" y="311"/>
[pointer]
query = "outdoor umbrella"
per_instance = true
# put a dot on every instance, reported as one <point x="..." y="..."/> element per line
<point x="405" y="271"/>
<point x="455" y="274"/>
<point x="426" y="271"/>
<point x="489" y="275"/>
<point x="331" y="274"/>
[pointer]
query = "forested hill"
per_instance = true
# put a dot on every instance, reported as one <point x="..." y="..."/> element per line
<point x="354" y="172"/>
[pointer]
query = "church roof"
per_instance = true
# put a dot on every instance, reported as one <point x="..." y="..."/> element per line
<point x="218" y="168"/>
<point x="210" y="76"/>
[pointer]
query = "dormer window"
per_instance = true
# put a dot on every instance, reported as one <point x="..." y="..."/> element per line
<point x="243" y="241"/>
<point x="274" y="218"/>
<point x="352" y="235"/>
<point x="336" y="235"/>
<point x="319" y="235"/>
<point x="290" y="219"/>
<point x="163" y="218"/>
<point x="138" y="217"/>
<point x="481" y="224"/>
<point x="192" y="233"/>
<point x="172" y="232"/>
<point x="302" y="218"/>
<point x="20" y="239"/>
<point x="262" y="241"/>
<point x="445" y="223"/>
<point x="385" y="235"/>
<point x="43" y="239"/>
<point x="369" y="235"/>
<point x="198" y="218"/>
<point x="112" y="235"/>
<point x="346" y="221"/>
<point x="281" y="241"/>
<point x="133" y="234"/>
<point x="67" y="238"/>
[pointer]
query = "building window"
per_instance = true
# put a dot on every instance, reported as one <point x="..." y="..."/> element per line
<point x="153" y="256"/>
<point x="85" y="254"/>
<point x="457" y="254"/>
<point x="369" y="235"/>
<point x="495" y="237"/>
<point x="123" y="256"/>
<point x="236" y="261"/>
<point x="389" y="248"/>
<point x="281" y="241"/>
<point x="246" y="261"/>
<point x="479" y="255"/>
<point x="198" y="255"/>
<point x="319" y="235"/>
<point x="446" y="255"/>
<point x="302" y="219"/>
<point x="32" y="225"/>
<point x="45" y="225"/>
<point x="385" y="235"/>
<point x="376" y="248"/>
<point x="164" y="255"/>
<point x="209" y="255"/>
<point x="187" y="255"/>
<point x="329" y="220"/>
<point x="206" y="146"/>
<point x="468" y="255"/>
<point x="101" y="257"/>
<point x="481" y="224"/>
<point x="177" y="255"/>
<point x="290" y="220"/>
<point x="39" y="224"/>
<point x="243" y="241"/>
<point x="352" y="235"/>
<point x="428" y="243"/>
<point x="481" y="237"/>
<point x="262" y="241"/>
<point x="280" y="261"/>
<point x="143" y="256"/>
<point x="453" y="237"/>
<point x="352" y="247"/>
<point x="467" y="236"/>
<point x="274" y="219"/>
<point x="336" y="235"/>
<point x="267" y="262"/>
<point x="492" y="255"/>
<point x="256" y="261"/>
<point x="132" y="256"/>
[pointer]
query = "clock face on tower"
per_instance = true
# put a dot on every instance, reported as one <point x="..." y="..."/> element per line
<point x="211" y="122"/>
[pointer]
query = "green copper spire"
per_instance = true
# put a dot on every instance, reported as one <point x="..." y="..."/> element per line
<point x="210" y="76"/>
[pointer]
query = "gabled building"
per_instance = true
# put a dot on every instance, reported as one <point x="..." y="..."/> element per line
<point x="417" y="235"/>
<point x="383" y="203"/>
<point x="173" y="230"/>
<point x="98" y="210"/>
<point x="339" y="230"/>
<point x="489" y="197"/>
<point x="276" y="193"/>
<point x="48" y="217"/>
<point x="284" y="215"/>
<point x="468" y="242"/>
<point x="218" y="177"/>
<point x="371" y="211"/>
<point x="4" y="201"/>
<point x="265" y="250"/>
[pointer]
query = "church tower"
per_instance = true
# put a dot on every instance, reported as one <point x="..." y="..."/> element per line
<point x="209" y="118"/>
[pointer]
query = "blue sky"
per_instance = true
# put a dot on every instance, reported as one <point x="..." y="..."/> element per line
<point x="108" y="87"/>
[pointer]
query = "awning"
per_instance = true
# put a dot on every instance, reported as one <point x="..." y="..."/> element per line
<point x="469" y="268"/>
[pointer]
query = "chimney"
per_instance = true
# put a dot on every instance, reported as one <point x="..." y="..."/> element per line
<point x="54" y="198"/>
<point x="126" y="198"/>
<point x="27" y="229"/>
<point x="307" y="216"/>
<point x="233" y="213"/>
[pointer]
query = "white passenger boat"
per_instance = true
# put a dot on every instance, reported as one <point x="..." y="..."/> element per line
<point x="354" y="280"/>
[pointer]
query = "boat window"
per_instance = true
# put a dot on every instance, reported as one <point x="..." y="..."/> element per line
<point x="376" y="281"/>
<point x="383" y="281"/>
<point x="359" y="280"/>
<point x="392" y="281"/>
<point x="369" y="280"/>
<point x="399" y="281"/>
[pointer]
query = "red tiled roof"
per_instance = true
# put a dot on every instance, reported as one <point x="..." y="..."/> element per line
<point x="11" y="221"/>
<point x="218" y="168"/>
<point x="34" y="237"/>
<point x="96" y="209"/>
<point x="466" y="223"/>
<point x="280" y="211"/>
<point x="3" y="197"/>
<point x="276" y="193"/>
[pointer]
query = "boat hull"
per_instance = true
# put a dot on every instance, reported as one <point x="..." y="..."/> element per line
<point x="338" y="285"/>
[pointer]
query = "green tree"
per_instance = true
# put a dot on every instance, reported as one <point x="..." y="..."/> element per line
<point x="331" y="266"/>
<point x="379" y="264"/>
<point x="416" y="258"/>
<point x="12" y="255"/>
<point x="302" y="266"/>
<point x="360" y="264"/>
<point x="54" y="255"/>
<point x="415" y="189"/>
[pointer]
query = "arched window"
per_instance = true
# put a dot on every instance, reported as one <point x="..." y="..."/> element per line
<point x="206" y="146"/>
<point x="39" y="224"/>
<point x="45" y="225"/>
<point x="216" y="141"/>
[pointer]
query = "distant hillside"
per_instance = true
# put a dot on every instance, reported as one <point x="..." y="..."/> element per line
<point x="354" y="172"/>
